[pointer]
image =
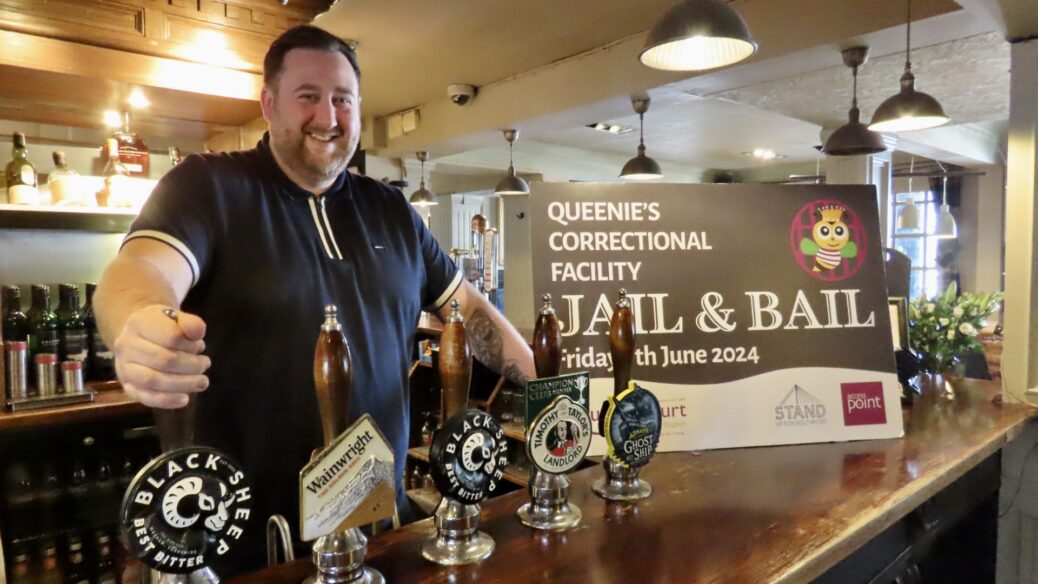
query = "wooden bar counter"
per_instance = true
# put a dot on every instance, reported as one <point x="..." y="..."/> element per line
<point x="771" y="514"/>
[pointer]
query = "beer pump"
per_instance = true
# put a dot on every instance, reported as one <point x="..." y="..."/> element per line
<point x="349" y="482"/>
<point x="466" y="459"/>
<point x="186" y="507"/>
<point x="631" y="418"/>
<point x="558" y="436"/>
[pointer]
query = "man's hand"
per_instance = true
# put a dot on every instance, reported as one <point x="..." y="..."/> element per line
<point x="158" y="359"/>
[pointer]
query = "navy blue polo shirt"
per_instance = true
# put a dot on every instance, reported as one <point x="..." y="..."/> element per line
<point x="266" y="256"/>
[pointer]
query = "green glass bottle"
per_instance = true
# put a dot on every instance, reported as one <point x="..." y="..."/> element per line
<point x="44" y="330"/>
<point x="16" y="324"/>
<point x="101" y="361"/>
<point x="73" y="326"/>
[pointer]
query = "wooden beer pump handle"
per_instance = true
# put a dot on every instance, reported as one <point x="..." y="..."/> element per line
<point x="455" y="364"/>
<point x="176" y="427"/>
<point x="547" y="341"/>
<point x="333" y="376"/>
<point x="621" y="342"/>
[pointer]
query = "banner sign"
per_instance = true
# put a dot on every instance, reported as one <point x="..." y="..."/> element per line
<point x="761" y="310"/>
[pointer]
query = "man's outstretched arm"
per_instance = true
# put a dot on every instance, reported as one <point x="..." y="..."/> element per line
<point x="493" y="340"/>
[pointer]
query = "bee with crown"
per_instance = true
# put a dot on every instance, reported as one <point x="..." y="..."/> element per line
<point x="830" y="239"/>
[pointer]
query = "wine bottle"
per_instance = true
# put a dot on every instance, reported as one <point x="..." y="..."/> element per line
<point x="16" y="324"/>
<point x="76" y="572"/>
<point x="63" y="183"/>
<point x="100" y="361"/>
<point x="73" y="327"/>
<point x="104" y="570"/>
<point x="21" y="175"/>
<point x="133" y="151"/>
<point x="44" y="330"/>
<point x="51" y="569"/>
<point x="20" y="568"/>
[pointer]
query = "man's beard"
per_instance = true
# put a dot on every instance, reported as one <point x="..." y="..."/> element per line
<point x="292" y="150"/>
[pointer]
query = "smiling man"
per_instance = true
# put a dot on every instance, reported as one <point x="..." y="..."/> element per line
<point x="248" y="247"/>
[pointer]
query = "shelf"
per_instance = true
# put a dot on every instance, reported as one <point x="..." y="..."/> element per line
<point x="107" y="405"/>
<point x="419" y="452"/>
<point x="425" y="499"/>
<point x="66" y="218"/>
<point x="514" y="431"/>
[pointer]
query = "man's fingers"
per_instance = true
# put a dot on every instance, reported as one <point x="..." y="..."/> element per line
<point x="145" y="378"/>
<point x="153" y="324"/>
<point x="192" y="326"/>
<point x="156" y="399"/>
<point x="165" y="360"/>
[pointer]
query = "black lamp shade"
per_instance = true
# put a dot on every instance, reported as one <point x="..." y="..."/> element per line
<point x="641" y="167"/>
<point x="908" y="110"/>
<point x="696" y="35"/>
<point x="423" y="197"/>
<point x="512" y="184"/>
<point x="854" y="139"/>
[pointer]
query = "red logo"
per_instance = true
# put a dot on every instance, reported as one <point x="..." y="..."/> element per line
<point x="827" y="240"/>
<point x="863" y="403"/>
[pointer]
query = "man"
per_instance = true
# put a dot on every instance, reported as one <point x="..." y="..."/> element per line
<point x="249" y="247"/>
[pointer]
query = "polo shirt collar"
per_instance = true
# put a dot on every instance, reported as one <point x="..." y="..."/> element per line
<point x="341" y="188"/>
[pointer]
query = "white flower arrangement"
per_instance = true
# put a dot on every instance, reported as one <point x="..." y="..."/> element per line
<point x="946" y="327"/>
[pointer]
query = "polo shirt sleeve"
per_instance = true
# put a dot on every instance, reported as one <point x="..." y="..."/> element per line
<point x="442" y="277"/>
<point x="178" y="213"/>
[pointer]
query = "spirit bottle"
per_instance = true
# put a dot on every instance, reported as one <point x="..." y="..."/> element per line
<point x="73" y="326"/>
<point x="16" y="324"/>
<point x="133" y="151"/>
<point x="51" y="570"/>
<point x="101" y="361"/>
<point x="21" y="175"/>
<point x="63" y="183"/>
<point x="114" y="192"/>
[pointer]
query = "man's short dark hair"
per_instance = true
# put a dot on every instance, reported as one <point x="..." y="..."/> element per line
<point x="303" y="37"/>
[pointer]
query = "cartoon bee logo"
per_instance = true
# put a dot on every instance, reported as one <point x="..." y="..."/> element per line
<point x="830" y="239"/>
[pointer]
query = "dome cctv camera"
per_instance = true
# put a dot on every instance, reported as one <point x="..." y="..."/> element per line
<point x="461" y="93"/>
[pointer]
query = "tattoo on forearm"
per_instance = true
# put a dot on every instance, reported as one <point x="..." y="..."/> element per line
<point x="485" y="340"/>
<point x="514" y="374"/>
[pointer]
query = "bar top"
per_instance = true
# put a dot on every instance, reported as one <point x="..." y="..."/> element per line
<point x="784" y="513"/>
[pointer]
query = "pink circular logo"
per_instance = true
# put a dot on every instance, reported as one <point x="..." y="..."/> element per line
<point x="828" y="240"/>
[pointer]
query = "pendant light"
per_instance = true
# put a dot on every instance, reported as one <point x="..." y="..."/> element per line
<point x="511" y="184"/>
<point x="946" y="227"/>
<point x="854" y="138"/>
<point x="696" y="35"/>
<point x="423" y="197"/>
<point x="641" y="167"/>
<point x="908" y="219"/>
<point x="908" y="109"/>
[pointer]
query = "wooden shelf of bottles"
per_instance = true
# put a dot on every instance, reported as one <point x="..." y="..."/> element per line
<point x="103" y="220"/>
<point x="110" y="403"/>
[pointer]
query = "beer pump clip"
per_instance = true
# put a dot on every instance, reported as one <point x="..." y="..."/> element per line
<point x="186" y="507"/>
<point x="466" y="459"/>
<point x="631" y="419"/>
<point x="559" y="432"/>
<point x="348" y="483"/>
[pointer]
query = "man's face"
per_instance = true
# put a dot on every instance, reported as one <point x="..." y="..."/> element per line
<point x="560" y="431"/>
<point x="314" y="115"/>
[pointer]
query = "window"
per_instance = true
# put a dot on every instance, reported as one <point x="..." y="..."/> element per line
<point x="919" y="244"/>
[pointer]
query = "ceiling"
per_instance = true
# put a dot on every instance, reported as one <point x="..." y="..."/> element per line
<point x="550" y="68"/>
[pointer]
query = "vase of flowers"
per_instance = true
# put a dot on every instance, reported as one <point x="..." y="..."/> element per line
<point x="945" y="328"/>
